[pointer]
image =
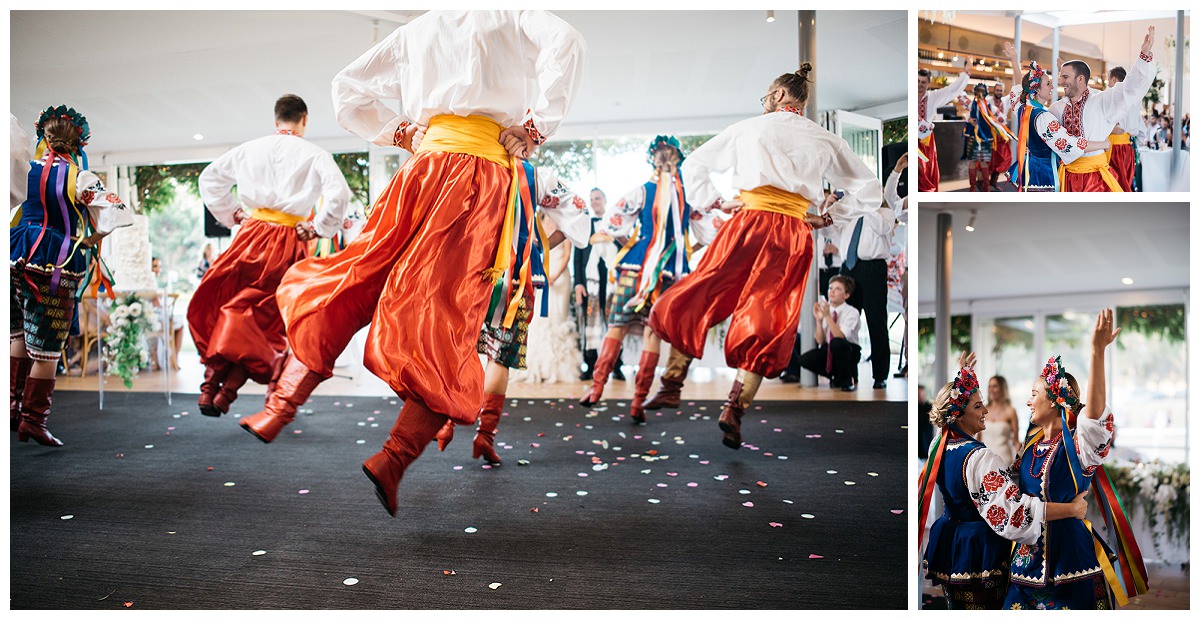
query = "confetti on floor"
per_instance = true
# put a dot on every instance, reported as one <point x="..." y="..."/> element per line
<point x="349" y="581"/>
<point x="259" y="552"/>
<point x="494" y="585"/>
<point x="471" y="530"/>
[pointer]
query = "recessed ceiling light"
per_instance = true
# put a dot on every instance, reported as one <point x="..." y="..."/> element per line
<point x="1127" y="281"/>
<point x="770" y="16"/>
<point x="971" y="224"/>
<point x="198" y="137"/>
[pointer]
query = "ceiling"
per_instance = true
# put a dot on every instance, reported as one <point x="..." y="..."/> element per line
<point x="1030" y="249"/>
<point x="152" y="85"/>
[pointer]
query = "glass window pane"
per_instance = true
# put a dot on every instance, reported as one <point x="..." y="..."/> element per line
<point x="1006" y="349"/>
<point x="1148" y="385"/>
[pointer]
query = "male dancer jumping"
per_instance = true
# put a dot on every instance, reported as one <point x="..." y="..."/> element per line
<point x="423" y="271"/>
<point x="233" y="314"/>
<point x="758" y="264"/>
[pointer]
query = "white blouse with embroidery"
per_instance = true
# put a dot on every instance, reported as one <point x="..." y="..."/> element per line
<point x="1104" y="108"/>
<point x="564" y="207"/>
<point x="996" y="492"/>
<point x="1050" y="130"/>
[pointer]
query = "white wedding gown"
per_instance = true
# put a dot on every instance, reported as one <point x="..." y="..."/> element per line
<point x="552" y="351"/>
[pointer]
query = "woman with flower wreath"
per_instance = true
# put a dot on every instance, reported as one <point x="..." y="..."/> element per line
<point x="969" y="545"/>
<point x="65" y="214"/>
<point x="1069" y="566"/>
<point x="1041" y="138"/>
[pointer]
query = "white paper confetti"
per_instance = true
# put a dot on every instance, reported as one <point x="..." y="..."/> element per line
<point x="552" y="494"/>
<point x="67" y="517"/>
<point x="259" y="552"/>
<point x="494" y="585"/>
<point x="653" y="501"/>
<point x="807" y="516"/>
<point x="349" y="581"/>
<point x="471" y="530"/>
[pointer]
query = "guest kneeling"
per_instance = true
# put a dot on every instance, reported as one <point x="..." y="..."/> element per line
<point x="836" y="333"/>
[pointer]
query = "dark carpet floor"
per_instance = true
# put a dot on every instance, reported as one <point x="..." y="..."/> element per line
<point x="157" y="507"/>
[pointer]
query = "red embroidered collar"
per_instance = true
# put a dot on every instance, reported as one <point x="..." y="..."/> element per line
<point x="1073" y="115"/>
<point x="792" y="109"/>
<point x="285" y="132"/>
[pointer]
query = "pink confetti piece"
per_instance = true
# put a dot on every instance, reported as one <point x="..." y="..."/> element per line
<point x="692" y="484"/>
<point x="303" y="491"/>
<point x="761" y="483"/>
<point x="897" y="512"/>
<point x="774" y="524"/>
<point x="535" y="445"/>
<point x="121" y="455"/>
<point x="449" y="572"/>
<point x="777" y="430"/>
<point x="128" y="603"/>
<point x="672" y="473"/>
<point x="458" y="467"/>
<point x="813" y="556"/>
<point x="582" y="475"/>
<point x="748" y="504"/>
<point x="661" y="485"/>
<point x="704" y="462"/>
<point x="534" y="509"/>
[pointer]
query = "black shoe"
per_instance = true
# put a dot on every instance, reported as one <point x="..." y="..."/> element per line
<point x="586" y="375"/>
<point x="789" y="378"/>
<point x="880" y="384"/>
<point x="849" y="387"/>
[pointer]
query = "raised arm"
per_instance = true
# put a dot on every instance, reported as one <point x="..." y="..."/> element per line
<point x="1117" y="100"/>
<point x="1102" y="336"/>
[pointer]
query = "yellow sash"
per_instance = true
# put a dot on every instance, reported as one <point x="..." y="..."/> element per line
<point x="1119" y="138"/>
<point x="775" y="200"/>
<point x="1088" y="164"/>
<point x="271" y="216"/>
<point x="926" y="140"/>
<point x="472" y="135"/>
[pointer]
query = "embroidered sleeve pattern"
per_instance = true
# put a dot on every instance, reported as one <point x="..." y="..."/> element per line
<point x="1093" y="439"/>
<point x="398" y="137"/>
<point x="998" y="498"/>
<point x="1055" y="135"/>
<point x="532" y="130"/>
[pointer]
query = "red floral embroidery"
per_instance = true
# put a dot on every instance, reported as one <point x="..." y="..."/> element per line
<point x="347" y="224"/>
<point x="113" y="198"/>
<point x="615" y="220"/>
<point x="578" y="203"/>
<point x="550" y="201"/>
<point x="1082" y="143"/>
<point x="1060" y="143"/>
<point x="1108" y="424"/>
<point x="1104" y="452"/>
<point x="696" y="216"/>
<point x="88" y="195"/>
<point x="1146" y="56"/>
<point x="996" y="515"/>
<point x="1018" y="518"/>
<point x="993" y="480"/>
<point x="1088" y="471"/>
<point x="1054" y="126"/>
<point x="718" y="223"/>
<point x="621" y="203"/>
<point x="533" y="132"/>
<point x="1012" y="492"/>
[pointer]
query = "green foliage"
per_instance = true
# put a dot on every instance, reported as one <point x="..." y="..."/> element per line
<point x="569" y="159"/>
<point x="960" y="334"/>
<point x="1167" y="322"/>
<point x="895" y="130"/>
<point x="356" y="168"/>
<point x="125" y="346"/>
<point x="157" y="184"/>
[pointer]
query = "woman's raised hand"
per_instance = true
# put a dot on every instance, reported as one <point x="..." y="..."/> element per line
<point x="1104" y="334"/>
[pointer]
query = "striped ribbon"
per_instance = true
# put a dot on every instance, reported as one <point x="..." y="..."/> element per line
<point x="927" y="480"/>
<point x="516" y="258"/>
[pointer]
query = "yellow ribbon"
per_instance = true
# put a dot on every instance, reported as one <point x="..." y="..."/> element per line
<point x="775" y="200"/>
<point x="271" y="216"/>
<point x="471" y="135"/>
<point x="1089" y="164"/>
<point x="1110" y="573"/>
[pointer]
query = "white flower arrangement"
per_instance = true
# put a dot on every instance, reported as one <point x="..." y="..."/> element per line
<point x="125" y="347"/>
<point x="1158" y="490"/>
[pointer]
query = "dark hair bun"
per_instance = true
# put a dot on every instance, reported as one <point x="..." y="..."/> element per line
<point x="804" y="70"/>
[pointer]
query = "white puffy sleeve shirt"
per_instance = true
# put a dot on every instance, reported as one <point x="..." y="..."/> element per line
<point x="107" y="210"/>
<point x="281" y="172"/>
<point x="788" y="152"/>
<point x="564" y="207"/>
<point x="939" y="98"/>
<point x="513" y="67"/>
<point x="1105" y="108"/>
<point x="997" y="496"/>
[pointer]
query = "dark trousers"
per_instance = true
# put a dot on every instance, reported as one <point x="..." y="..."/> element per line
<point x="870" y="295"/>
<point x="845" y="361"/>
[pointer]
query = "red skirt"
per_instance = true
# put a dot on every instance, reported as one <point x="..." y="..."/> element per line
<point x="233" y="314"/>
<point x="414" y="274"/>
<point x="756" y="270"/>
<point x="1121" y="159"/>
<point x="1001" y="157"/>
<point x="929" y="175"/>
<point x="1084" y="182"/>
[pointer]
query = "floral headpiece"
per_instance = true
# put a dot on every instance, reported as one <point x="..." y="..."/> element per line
<point x="70" y="114"/>
<point x="1057" y="385"/>
<point x="965" y="384"/>
<point x="1035" y="76"/>
<point x="667" y="140"/>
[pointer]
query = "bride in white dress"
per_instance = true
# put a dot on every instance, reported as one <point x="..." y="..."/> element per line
<point x="551" y="352"/>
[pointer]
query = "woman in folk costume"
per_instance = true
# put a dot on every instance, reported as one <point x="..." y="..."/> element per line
<point x="757" y="267"/>
<point x="1042" y="141"/>
<point x="1070" y="566"/>
<point x="655" y="219"/>
<point x="985" y="134"/>
<point x="971" y="542"/>
<point x="438" y="245"/>
<point x="52" y="252"/>
<point x="506" y="346"/>
<point x="233" y="315"/>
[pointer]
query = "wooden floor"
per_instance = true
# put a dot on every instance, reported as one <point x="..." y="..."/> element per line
<point x="1170" y="588"/>
<point x="353" y="379"/>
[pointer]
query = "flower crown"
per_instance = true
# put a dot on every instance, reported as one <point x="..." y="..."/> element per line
<point x="1056" y="383"/>
<point x="667" y="140"/>
<point x="965" y="384"/>
<point x="70" y="114"/>
<point x="1035" y="76"/>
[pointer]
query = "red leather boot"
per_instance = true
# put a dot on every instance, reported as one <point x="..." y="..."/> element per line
<point x="292" y="389"/>
<point x="671" y="381"/>
<point x="485" y="436"/>
<point x="641" y="385"/>
<point x="35" y="408"/>
<point x="18" y="372"/>
<point x="228" y="393"/>
<point x="214" y="374"/>
<point x="415" y="427"/>
<point x="604" y="365"/>
<point x="445" y="435"/>
<point x="745" y="386"/>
